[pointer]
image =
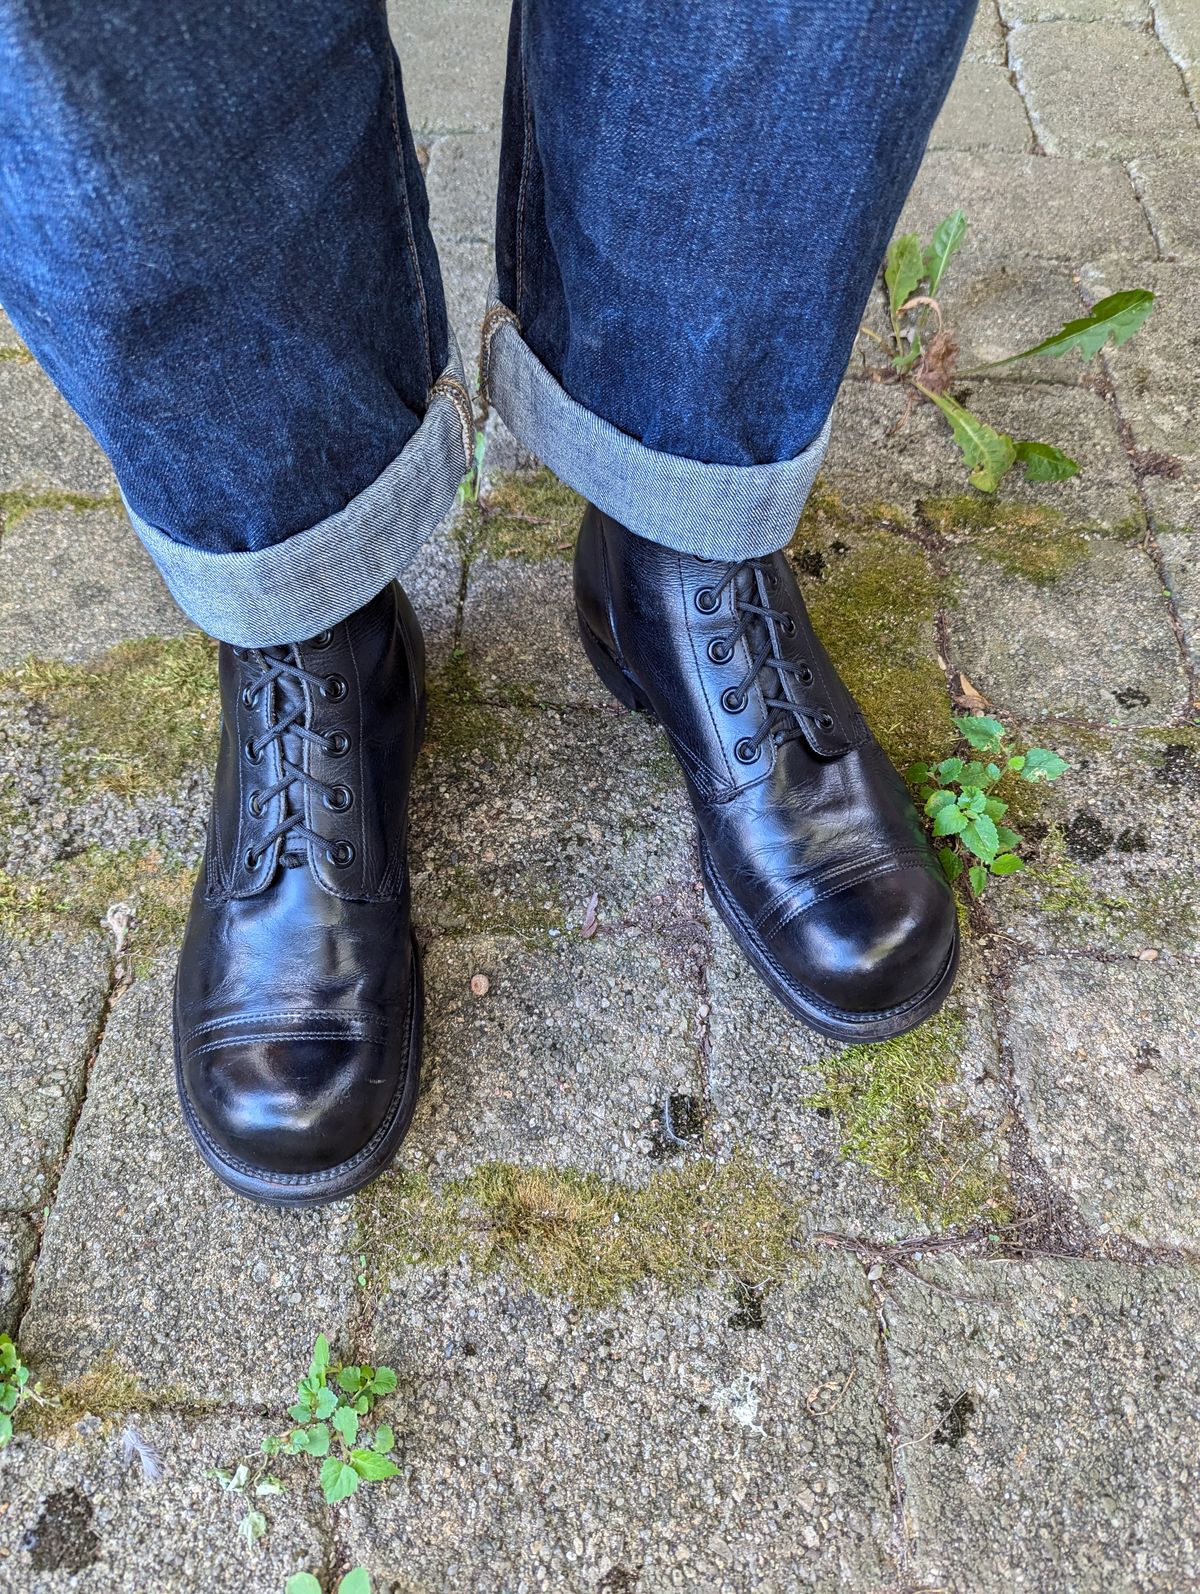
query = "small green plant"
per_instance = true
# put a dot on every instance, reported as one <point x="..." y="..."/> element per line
<point x="15" y="1388"/>
<point x="357" y="1581"/>
<point x="331" y="1401"/>
<point x="926" y="364"/>
<point x="962" y="798"/>
<point x="329" y="1417"/>
<point x="471" y="486"/>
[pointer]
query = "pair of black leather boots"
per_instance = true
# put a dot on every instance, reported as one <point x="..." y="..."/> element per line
<point x="298" y="1000"/>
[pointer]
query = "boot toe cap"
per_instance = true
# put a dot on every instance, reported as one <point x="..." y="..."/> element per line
<point x="873" y="947"/>
<point x="287" y="1099"/>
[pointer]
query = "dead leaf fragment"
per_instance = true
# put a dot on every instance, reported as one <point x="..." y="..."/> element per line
<point x="590" y="922"/>
<point x="966" y="695"/>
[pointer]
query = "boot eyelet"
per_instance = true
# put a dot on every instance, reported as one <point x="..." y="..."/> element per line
<point x="251" y="858"/>
<point x="719" y="650"/>
<point x="334" y="688"/>
<point x="253" y="755"/>
<point x="772" y="580"/>
<point x="825" y="722"/>
<point x="337" y="744"/>
<point x="787" y="625"/>
<point x="340" y="854"/>
<point x="733" y="701"/>
<point x="254" y="806"/>
<point x="806" y="676"/>
<point x="249" y="696"/>
<point x="338" y="798"/>
<point x="745" y="751"/>
<point x="321" y="640"/>
<point x="706" y="600"/>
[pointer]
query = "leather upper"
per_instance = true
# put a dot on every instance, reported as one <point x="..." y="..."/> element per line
<point x="294" y="994"/>
<point x="811" y="831"/>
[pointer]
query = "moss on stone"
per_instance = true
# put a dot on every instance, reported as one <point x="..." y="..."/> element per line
<point x="898" y="1117"/>
<point x="17" y="355"/>
<point x="134" y="720"/>
<point x="106" y="1390"/>
<point x="463" y="722"/>
<point x="528" y="515"/>
<point x="77" y="894"/>
<point x="462" y="904"/>
<point x="873" y="596"/>
<point x="566" y="1233"/>
<point x="22" y="501"/>
<point x="1022" y="539"/>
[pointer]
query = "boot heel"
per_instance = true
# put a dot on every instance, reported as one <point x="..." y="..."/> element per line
<point x="611" y="673"/>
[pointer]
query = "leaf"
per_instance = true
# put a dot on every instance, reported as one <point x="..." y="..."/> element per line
<point x="994" y="808"/>
<point x="947" y="237"/>
<point x="979" y="879"/>
<point x="1117" y="317"/>
<point x="356" y="1581"/>
<point x="251" y="1528"/>
<point x="904" y="270"/>
<point x="326" y="1404"/>
<point x="1008" y="838"/>
<point x="384" y="1380"/>
<point x="980" y="732"/>
<point x="950" y="769"/>
<point x="6" y="1429"/>
<point x="319" y="1365"/>
<point x="1007" y="863"/>
<point x="350" y="1379"/>
<point x="338" y="1481"/>
<point x="316" y="1440"/>
<point x="917" y="774"/>
<point x="384" y="1439"/>
<point x="966" y="695"/>
<point x="369" y="1464"/>
<point x="1043" y="462"/>
<point x="300" y="1412"/>
<point x="937" y="801"/>
<point x="949" y="821"/>
<point x="988" y="453"/>
<point x="952" y="864"/>
<point x="980" y="838"/>
<point x="1041" y="764"/>
<point x="302" y="1583"/>
<point x="345" y="1421"/>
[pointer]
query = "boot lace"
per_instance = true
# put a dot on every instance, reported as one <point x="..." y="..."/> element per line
<point x="264" y="669"/>
<point x="791" y="702"/>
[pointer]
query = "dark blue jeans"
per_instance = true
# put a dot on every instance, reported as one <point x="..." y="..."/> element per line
<point x="214" y="236"/>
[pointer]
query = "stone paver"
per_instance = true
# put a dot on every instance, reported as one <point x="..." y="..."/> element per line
<point x="1024" y="204"/>
<point x="1181" y="563"/>
<point x="567" y="1060"/>
<point x="1168" y="188"/>
<point x="52" y="995"/>
<point x="647" y="1448"/>
<point x="983" y="110"/>
<point x="1038" y="648"/>
<point x="1117" y="871"/>
<point x="452" y="58"/>
<point x="461" y="179"/>
<point x="16" y="1252"/>
<point x="148" y="1263"/>
<point x="78" y="1515"/>
<point x="44" y="446"/>
<point x="1077" y="112"/>
<point x="1105" y="1059"/>
<point x="73" y="584"/>
<point x="1049" y="1419"/>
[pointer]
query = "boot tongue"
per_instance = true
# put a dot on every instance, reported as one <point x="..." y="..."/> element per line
<point x="289" y="698"/>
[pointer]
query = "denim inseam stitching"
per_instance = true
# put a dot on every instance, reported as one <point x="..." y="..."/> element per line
<point x="526" y="164"/>
<point x="402" y="187"/>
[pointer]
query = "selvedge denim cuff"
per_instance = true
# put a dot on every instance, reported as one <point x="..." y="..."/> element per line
<point x="318" y="576"/>
<point x="725" y="512"/>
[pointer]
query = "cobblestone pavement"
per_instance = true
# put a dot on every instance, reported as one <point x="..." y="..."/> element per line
<point x="678" y="1295"/>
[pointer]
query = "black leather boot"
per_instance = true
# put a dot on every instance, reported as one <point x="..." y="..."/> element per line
<point x="298" y="997"/>
<point x="811" y="850"/>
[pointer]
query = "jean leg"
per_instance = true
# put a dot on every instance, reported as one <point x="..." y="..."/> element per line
<point x="694" y="201"/>
<point x="214" y="237"/>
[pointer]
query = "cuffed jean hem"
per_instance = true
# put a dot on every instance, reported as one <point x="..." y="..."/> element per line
<point x="723" y="512"/>
<point x="318" y="576"/>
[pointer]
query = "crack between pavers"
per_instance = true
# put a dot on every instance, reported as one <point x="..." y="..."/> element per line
<point x="885" y="1399"/>
<point x="1174" y="60"/>
<point x="1127" y="166"/>
<point x="119" y="978"/>
<point x="1106" y="388"/>
<point x="1014" y="77"/>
